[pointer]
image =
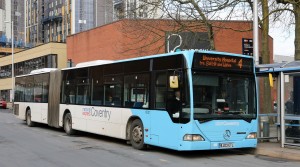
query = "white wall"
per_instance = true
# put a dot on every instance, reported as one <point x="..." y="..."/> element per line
<point x="2" y="27"/>
<point x="73" y="17"/>
<point x="8" y="18"/>
<point x="281" y="59"/>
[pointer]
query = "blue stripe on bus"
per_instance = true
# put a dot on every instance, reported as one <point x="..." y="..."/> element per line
<point x="161" y="131"/>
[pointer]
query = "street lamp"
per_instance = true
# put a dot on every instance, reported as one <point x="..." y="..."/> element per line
<point x="12" y="60"/>
<point x="255" y="32"/>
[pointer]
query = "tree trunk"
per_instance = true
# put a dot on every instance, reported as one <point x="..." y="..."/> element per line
<point x="267" y="99"/>
<point x="206" y="22"/>
<point x="265" y="33"/>
<point x="211" y="36"/>
<point x="297" y="30"/>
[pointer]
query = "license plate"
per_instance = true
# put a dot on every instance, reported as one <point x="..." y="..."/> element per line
<point x="226" y="145"/>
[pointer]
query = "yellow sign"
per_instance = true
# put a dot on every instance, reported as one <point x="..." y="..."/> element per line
<point x="173" y="81"/>
<point x="271" y="80"/>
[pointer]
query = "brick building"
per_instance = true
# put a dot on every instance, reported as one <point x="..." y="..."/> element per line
<point x="132" y="38"/>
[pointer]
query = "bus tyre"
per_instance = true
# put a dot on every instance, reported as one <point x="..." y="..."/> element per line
<point x="137" y="135"/>
<point x="28" y="119"/>
<point x="68" y="124"/>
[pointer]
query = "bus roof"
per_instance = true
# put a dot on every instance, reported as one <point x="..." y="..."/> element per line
<point x="39" y="71"/>
<point x="93" y="63"/>
<point x="43" y="70"/>
<point x="187" y="52"/>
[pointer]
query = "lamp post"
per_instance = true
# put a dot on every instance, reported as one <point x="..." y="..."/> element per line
<point x="255" y="32"/>
<point x="12" y="60"/>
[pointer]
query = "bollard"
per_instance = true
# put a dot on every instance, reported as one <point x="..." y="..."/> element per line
<point x="266" y="129"/>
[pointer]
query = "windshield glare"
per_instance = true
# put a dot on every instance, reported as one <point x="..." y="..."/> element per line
<point x="224" y="96"/>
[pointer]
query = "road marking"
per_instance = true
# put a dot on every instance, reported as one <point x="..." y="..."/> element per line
<point x="163" y="160"/>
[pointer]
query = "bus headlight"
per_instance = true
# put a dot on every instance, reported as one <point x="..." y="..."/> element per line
<point x="193" y="137"/>
<point x="252" y="135"/>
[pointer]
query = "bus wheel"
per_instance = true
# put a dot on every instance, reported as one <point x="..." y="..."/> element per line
<point x="68" y="124"/>
<point x="137" y="135"/>
<point x="28" y="119"/>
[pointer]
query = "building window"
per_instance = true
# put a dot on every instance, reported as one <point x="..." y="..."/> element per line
<point x="25" y="67"/>
<point x="5" y="71"/>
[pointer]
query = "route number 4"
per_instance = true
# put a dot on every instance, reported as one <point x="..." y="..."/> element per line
<point x="240" y="63"/>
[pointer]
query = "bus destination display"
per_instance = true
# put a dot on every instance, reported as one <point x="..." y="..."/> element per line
<point x="222" y="62"/>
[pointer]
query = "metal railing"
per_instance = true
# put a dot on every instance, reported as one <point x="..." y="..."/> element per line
<point x="269" y="127"/>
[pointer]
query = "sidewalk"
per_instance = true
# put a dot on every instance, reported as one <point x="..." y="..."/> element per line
<point x="274" y="150"/>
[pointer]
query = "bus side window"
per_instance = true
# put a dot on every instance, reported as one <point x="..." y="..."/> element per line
<point x="97" y="91"/>
<point x="68" y="87"/>
<point x="83" y="91"/>
<point x="113" y="90"/>
<point x="160" y="90"/>
<point x="136" y="91"/>
<point x="29" y="89"/>
<point x="20" y="90"/>
<point x="72" y="97"/>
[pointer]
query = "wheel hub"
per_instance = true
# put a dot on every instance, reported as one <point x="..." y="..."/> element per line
<point x="137" y="134"/>
<point x="68" y="124"/>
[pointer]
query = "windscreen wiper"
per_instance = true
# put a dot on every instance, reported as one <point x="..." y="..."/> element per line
<point x="203" y="120"/>
<point x="237" y="114"/>
<point x="244" y="118"/>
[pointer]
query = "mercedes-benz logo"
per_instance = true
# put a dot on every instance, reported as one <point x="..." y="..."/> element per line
<point x="227" y="134"/>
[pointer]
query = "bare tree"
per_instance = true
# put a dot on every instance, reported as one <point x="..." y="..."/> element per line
<point x="201" y="13"/>
<point x="181" y="15"/>
<point x="291" y="16"/>
<point x="296" y="12"/>
<point x="270" y="13"/>
<point x="264" y="54"/>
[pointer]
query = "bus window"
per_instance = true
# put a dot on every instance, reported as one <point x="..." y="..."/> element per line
<point x="206" y="88"/>
<point x="20" y="90"/>
<point x="45" y="92"/>
<point x="29" y="89"/>
<point x="112" y="90"/>
<point x="174" y="100"/>
<point x="83" y="91"/>
<point x="223" y="96"/>
<point x="136" y="91"/>
<point x="68" y="87"/>
<point x="160" y="90"/>
<point x="38" y="89"/>
<point x="97" y="92"/>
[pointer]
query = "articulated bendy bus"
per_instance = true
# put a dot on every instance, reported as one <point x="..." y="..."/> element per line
<point x="188" y="100"/>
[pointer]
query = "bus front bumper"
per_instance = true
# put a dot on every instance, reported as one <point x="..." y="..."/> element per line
<point x="206" y="145"/>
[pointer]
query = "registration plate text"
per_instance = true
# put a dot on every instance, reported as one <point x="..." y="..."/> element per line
<point x="226" y="145"/>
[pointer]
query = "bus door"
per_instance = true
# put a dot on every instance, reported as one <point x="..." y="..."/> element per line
<point x="171" y="108"/>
